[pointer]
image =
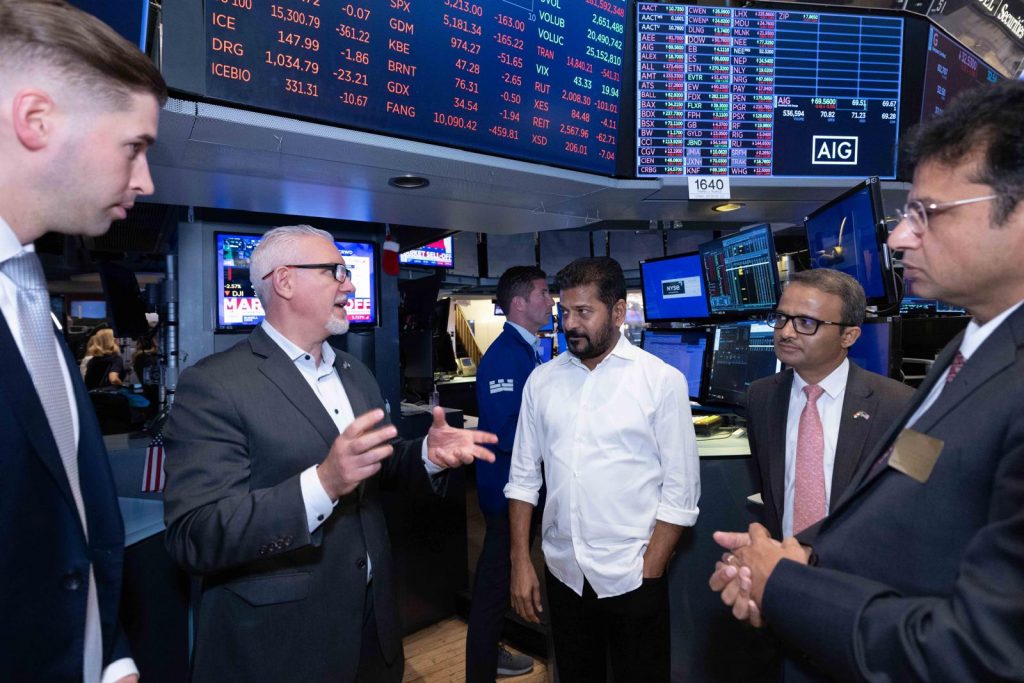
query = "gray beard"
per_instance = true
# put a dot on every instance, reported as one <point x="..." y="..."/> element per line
<point x="336" y="327"/>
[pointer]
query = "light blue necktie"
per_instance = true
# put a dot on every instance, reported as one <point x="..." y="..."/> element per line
<point x="43" y="360"/>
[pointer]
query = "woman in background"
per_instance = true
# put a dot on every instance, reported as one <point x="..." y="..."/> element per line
<point x="106" y="367"/>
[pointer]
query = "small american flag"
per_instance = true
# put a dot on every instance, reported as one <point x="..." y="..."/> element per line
<point x="153" y="475"/>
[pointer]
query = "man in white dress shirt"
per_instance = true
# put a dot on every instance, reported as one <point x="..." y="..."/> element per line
<point x="610" y="424"/>
<point x="78" y="110"/>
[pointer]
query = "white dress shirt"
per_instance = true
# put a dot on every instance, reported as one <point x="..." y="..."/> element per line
<point x="10" y="247"/>
<point x="830" y="410"/>
<point x="974" y="336"/>
<point x="618" y="451"/>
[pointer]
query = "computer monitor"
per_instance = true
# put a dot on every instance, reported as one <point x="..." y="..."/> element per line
<point x="878" y="347"/>
<point x="685" y="350"/>
<point x="547" y="350"/>
<point x="560" y="338"/>
<point x="549" y="326"/>
<point x="740" y="272"/>
<point x="848" y="234"/>
<point x="741" y="353"/>
<point x="673" y="288"/>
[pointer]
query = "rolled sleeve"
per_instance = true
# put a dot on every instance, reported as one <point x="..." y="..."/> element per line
<point x="680" y="462"/>
<point x="319" y="505"/>
<point x="524" y="477"/>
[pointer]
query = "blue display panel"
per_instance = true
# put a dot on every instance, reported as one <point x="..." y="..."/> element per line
<point x="740" y="272"/>
<point x="437" y="254"/>
<point x="950" y="69"/>
<point x="766" y="92"/>
<point x="547" y="348"/>
<point x="538" y="80"/>
<point x="673" y="288"/>
<point x="875" y="348"/>
<point x="848" y="234"/>
<point x="129" y="18"/>
<point x="742" y="353"/>
<point x="237" y="304"/>
<point x="685" y="350"/>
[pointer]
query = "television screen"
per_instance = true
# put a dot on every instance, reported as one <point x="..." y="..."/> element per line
<point x="539" y="81"/>
<point x="848" y="234"/>
<point x="878" y="346"/>
<point x="237" y="304"/>
<point x="759" y="91"/>
<point x="83" y="308"/>
<point x="673" y="288"/>
<point x="741" y="354"/>
<point x="685" y="350"/>
<point x="950" y="69"/>
<point x="547" y="348"/>
<point x="740" y="272"/>
<point x="437" y="254"/>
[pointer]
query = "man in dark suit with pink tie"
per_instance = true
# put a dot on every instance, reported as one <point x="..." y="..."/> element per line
<point x="918" y="571"/>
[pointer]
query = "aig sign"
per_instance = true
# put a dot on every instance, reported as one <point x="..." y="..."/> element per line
<point x="834" y="150"/>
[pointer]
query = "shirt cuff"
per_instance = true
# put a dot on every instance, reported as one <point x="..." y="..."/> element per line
<point x="513" y="492"/>
<point x="319" y="505"/>
<point x="118" y="669"/>
<point x="432" y="468"/>
<point x="677" y="516"/>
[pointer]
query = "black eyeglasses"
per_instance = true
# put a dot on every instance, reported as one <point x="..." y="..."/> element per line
<point x="341" y="273"/>
<point x="801" y="323"/>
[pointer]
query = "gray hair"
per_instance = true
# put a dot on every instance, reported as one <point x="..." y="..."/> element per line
<point x="840" y="284"/>
<point x="276" y="249"/>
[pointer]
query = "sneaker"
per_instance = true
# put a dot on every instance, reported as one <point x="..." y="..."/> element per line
<point x="511" y="664"/>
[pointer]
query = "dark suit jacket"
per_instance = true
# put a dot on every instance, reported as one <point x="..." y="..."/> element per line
<point x="924" y="581"/>
<point x="278" y="603"/>
<point x="44" y="564"/>
<point x="881" y="398"/>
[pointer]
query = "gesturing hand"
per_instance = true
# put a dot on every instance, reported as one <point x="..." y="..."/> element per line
<point x="451" y="447"/>
<point x="356" y="454"/>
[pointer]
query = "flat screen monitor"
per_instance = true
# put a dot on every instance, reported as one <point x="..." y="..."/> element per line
<point x="560" y="338"/>
<point x="950" y="69"/>
<point x="238" y="307"/>
<point x="673" y="288"/>
<point x="85" y="308"/>
<point x="531" y="80"/>
<point x="878" y="347"/>
<point x="128" y="17"/>
<point x="685" y="350"/>
<point x="740" y="272"/>
<point x="437" y="254"/>
<point x="766" y="91"/>
<point x="848" y="234"/>
<point x="741" y="353"/>
<point x="547" y="348"/>
<point x="549" y="326"/>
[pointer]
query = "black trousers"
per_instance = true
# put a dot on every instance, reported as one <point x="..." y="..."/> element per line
<point x="631" y="630"/>
<point x="373" y="668"/>
<point x="490" y="601"/>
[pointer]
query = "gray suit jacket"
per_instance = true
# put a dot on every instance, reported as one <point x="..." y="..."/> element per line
<point x="880" y="398"/>
<point x="278" y="603"/>
<point x="923" y="581"/>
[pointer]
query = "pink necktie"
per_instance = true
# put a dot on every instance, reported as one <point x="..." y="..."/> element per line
<point x="809" y="498"/>
<point x="955" y="367"/>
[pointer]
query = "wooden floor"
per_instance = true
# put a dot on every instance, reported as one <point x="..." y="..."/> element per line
<point x="437" y="654"/>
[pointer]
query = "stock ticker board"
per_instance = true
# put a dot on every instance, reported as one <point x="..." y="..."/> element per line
<point x="538" y="80"/>
<point x="766" y="92"/>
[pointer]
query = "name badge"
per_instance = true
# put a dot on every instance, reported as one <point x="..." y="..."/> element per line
<point x="914" y="454"/>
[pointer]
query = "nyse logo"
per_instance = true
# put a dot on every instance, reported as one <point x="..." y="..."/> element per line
<point x="834" y="150"/>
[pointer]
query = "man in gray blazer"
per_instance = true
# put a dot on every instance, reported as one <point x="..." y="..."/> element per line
<point x="918" y="572"/>
<point x="854" y="409"/>
<point x="276" y="451"/>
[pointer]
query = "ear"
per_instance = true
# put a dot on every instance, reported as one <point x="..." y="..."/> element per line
<point x="284" y="285"/>
<point x="849" y="336"/>
<point x="518" y="302"/>
<point x="619" y="312"/>
<point x="34" y="116"/>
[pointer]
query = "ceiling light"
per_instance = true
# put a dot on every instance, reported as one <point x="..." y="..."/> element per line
<point x="729" y="206"/>
<point x="408" y="182"/>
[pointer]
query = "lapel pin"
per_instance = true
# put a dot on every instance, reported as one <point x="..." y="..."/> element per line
<point x="345" y="365"/>
<point x="861" y="415"/>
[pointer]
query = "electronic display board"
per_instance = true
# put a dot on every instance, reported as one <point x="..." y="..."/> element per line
<point x="740" y="272"/>
<point x="238" y="307"/>
<point x="748" y="91"/>
<point x="437" y="254"/>
<point x="538" y="80"/>
<point x="949" y="70"/>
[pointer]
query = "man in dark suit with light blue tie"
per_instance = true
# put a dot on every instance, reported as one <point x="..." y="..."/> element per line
<point x="78" y="110"/>
<point x="918" y="572"/>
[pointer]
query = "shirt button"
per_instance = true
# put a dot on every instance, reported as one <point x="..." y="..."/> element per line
<point x="306" y="356"/>
<point x="319" y="518"/>
<point x="71" y="581"/>
<point x="335" y="411"/>
<point x="361" y="563"/>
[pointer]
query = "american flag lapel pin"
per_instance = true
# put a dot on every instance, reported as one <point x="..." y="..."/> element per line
<point x="345" y="365"/>
<point x="861" y="415"/>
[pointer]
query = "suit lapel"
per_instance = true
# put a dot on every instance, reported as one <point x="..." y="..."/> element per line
<point x="859" y="399"/>
<point x="23" y="400"/>
<point x="357" y="396"/>
<point x="280" y="370"/>
<point x="778" y="416"/>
